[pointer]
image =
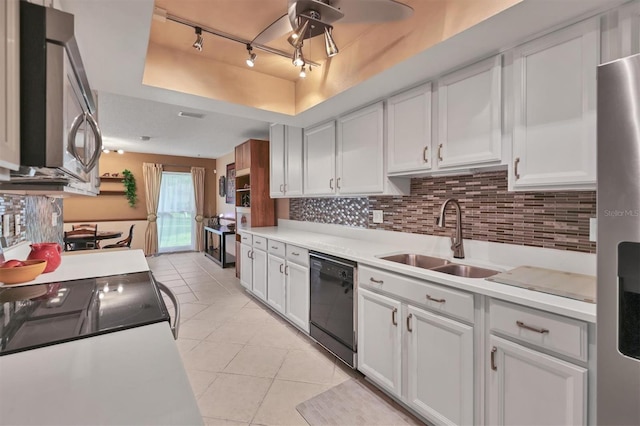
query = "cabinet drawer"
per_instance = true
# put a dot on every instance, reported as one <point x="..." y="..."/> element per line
<point x="422" y="293"/>
<point x="259" y="242"/>
<point x="298" y="255"/>
<point x="246" y="238"/>
<point x="277" y="248"/>
<point x="554" y="332"/>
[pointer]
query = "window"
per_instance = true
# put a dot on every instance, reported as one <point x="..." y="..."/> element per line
<point x="176" y="212"/>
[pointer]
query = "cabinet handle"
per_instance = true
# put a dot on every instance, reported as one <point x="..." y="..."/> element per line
<point x="338" y="183"/>
<point x="286" y="270"/>
<point x="435" y="300"/>
<point x="274" y="247"/>
<point x="515" y="167"/>
<point x="281" y="265"/>
<point x="282" y="188"/>
<point x="394" y="320"/>
<point x="295" y="254"/>
<point x="528" y="327"/>
<point x="494" y="367"/>
<point x="424" y="154"/>
<point x="373" y="280"/>
<point x="250" y="254"/>
<point x="331" y="183"/>
<point x="285" y="187"/>
<point x="440" y="152"/>
<point x="409" y="322"/>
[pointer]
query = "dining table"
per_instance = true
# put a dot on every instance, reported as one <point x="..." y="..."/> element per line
<point x="79" y="240"/>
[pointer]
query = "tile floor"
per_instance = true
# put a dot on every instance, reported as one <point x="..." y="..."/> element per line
<point x="246" y="364"/>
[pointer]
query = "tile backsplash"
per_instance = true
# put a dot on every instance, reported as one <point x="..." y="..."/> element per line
<point x="558" y="220"/>
<point x="35" y="215"/>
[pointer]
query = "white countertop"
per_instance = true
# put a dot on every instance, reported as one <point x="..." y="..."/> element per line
<point x="368" y="251"/>
<point x="132" y="376"/>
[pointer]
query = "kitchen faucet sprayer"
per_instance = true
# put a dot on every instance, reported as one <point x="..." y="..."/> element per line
<point x="456" y="239"/>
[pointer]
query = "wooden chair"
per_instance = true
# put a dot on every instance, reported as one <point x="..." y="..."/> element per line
<point x="123" y="243"/>
<point x="88" y="243"/>
<point x="92" y="226"/>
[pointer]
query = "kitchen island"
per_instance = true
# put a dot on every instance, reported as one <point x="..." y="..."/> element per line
<point x="131" y="376"/>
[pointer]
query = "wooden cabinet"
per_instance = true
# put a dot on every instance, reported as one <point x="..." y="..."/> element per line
<point x="409" y="131"/>
<point x="276" y="283"/>
<point x="380" y="340"/>
<point x="440" y="367"/>
<point x="554" y="85"/>
<point x="285" y="144"/>
<point x="246" y="266"/>
<point x="470" y="116"/>
<point x="243" y="158"/>
<point x="297" y="294"/>
<point x="320" y="159"/>
<point x="9" y="87"/>
<point x="529" y="387"/>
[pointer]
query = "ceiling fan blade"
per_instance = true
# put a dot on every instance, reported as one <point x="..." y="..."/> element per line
<point x="277" y="29"/>
<point x="372" y="10"/>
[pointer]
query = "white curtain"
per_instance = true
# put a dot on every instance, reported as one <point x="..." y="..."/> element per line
<point x="197" y="175"/>
<point x="176" y="213"/>
<point x="152" y="174"/>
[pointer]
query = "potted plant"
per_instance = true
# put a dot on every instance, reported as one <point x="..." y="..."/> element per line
<point x="129" y="187"/>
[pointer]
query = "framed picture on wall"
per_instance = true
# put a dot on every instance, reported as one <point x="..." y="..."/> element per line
<point x="222" y="186"/>
<point x="231" y="184"/>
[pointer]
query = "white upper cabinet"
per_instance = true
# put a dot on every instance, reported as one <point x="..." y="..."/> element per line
<point x="320" y="159"/>
<point x="360" y="160"/>
<point x="629" y="27"/>
<point x="554" y="135"/>
<point x="470" y="115"/>
<point x="285" y="152"/>
<point x="409" y="131"/>
<point x="9" y="87"/>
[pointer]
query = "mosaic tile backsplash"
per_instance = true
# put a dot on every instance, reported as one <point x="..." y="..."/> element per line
<point x="558" y="220"/>
<point x="35" y="218"/>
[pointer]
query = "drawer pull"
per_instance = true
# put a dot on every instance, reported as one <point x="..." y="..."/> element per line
<point x="424" y="154"/>
<point x="373" y="280"/>
<point x="394" y="320"/>
<point x="433" y="299"/>
<point x="258" y="242"/>
<point x="409" y="322"/>
<point x="515" y="168"/>
<point x="494" y="367"/>
<point x="274" y="247"/>
<point x="440" y="153"/>
<point x="295" y="254"/>
<point x="286" y="270"/>
<point x="528" y="327"/>
<point x="250" y="254"/>
<point x="331" y="183"/>
<point x="281" y="271"/>
<point x="282" y="188"/>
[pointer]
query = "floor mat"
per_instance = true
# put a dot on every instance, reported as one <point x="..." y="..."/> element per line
<point x="353" y="403"/>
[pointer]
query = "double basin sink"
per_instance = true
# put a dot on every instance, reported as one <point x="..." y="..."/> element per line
<point x="441" y="265"/>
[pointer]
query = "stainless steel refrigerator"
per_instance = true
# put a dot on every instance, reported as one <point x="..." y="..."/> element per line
<point x="618" y="323"/>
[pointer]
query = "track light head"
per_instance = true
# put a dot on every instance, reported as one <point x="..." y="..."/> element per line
<point x="298" y="59"/>
<point x="329" y="44"/>
<point x="297" y="37"/>
<point x="199" y="40"/>
<point x="303" y="73"/>
<point x="251" y="60"/>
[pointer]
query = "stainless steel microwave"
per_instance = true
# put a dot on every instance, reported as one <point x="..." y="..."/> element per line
<point x="60" y="137"/>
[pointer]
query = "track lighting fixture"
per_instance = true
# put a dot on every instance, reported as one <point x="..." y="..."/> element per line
<point x="199" y="40"/>
<point x="252" y="56"/>
<point x="303" y="73"/>
<point x="297" y="37"/>
<point x="298" y="59"/>
<point x="329" y="44"/>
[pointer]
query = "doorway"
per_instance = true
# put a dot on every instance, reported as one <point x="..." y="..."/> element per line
<point x="176" y="213"/>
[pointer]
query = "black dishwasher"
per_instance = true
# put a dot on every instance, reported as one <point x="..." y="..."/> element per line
<point x="332" y="305"/>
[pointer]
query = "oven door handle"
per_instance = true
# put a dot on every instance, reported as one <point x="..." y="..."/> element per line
<point x="71" y="141"/>
<point x="175" y="329"/>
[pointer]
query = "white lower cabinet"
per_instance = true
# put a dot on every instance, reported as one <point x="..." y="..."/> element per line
<point x="380" y="340"/>
<point x="440" y="367"/>
<point x="434" y="354"/>
<point x="276" y="283"/>
<point x="246" y="266"/>
<point x="259" y="273"/>
<point x="297" y="294"/>
<point x="529" y="387"/>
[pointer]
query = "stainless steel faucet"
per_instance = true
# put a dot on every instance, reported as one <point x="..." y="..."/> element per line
<point x="456" y="239"/>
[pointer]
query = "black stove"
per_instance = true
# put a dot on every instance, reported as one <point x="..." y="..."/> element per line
<point x="45" y="314"/>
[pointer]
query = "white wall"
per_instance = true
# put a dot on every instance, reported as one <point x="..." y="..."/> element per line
<point x="221" y="167"/>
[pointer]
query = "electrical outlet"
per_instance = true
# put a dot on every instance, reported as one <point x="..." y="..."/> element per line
<point x="377" y="216"/>
<point x="6" y="222"/>
<point x="593" y="228"/>
<point x="18" y="226"/>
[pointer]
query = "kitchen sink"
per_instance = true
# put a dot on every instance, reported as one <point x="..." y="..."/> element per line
<point x="421" y="261"/>
<point x="465" y="271"/>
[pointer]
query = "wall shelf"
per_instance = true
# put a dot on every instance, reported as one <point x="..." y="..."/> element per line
<point x="103" y="192"/>
<point x="112" y="178"/>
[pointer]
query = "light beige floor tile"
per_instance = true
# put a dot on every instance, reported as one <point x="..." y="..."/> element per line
<point x="236" y="300"/>
<point x="210" y="296"/>
<point x="210" y="356"/>
<point x="200" y="279"/>
<point x="210" y="421"/>
<point x="254" y="305"/>
<point x="172" y="276"/>
<point x="197" y="329"/>
<point x="258" y="316"/>
<point x="342" y="373"/>
<point x="217" y="312"/>
<point x="208" y="285"/>
<point x="257" y="361"/>
<point x="233" y="397"/>
<point x="172" y="283"/>
<point x="306" y="366"/>
<point x="195" y="274"/>
<point x="234" y="332"/>
<point x="276" y="335"/>
<point x="200" y="380"/>
<point x="187" y="297"/>
<point x="181" y="289"/>
<point x="188" y="310"/>
<point x="279" y="405"/>
<point x="186" y="345"/>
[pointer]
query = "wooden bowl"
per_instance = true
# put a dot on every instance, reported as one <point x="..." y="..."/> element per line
<point x="22" y="274"/>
